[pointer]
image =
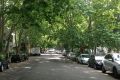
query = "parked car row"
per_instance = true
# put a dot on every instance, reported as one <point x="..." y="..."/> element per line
<point x="13" y="58"/>
<point x="109" y="62"/>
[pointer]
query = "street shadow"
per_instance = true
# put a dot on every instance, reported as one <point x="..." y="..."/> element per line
<point x="59" y="60"/>
<point x="110" y="74"/>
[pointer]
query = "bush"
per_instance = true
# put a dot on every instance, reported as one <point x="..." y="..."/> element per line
<point x="2" y="56"/>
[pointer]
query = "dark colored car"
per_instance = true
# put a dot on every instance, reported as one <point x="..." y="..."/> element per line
<point x="95" y="61"/>
<point x="16" y="58"/>
<point x="72" y="56"/>
<point x="25" y="56"/>
<point x="3" y="65"/>
<point x="19" y="57"/>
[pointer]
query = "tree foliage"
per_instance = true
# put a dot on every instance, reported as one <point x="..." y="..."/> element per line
<point x="70" y="23"/>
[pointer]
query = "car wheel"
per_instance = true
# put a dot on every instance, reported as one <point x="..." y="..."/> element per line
<point x="115" y="73"/>
<point x="1" y="68"/>
<point x="103" y="69"/>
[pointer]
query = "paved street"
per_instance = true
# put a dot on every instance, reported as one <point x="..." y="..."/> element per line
<point x="52" y="67"/>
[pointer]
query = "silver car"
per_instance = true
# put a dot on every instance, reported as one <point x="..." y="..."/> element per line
<point x="111" y="63"/>
<point x="83" y="58"/>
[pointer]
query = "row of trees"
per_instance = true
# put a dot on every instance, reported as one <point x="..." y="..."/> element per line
<point x="67" y="23"/>
<point x="90" y="24"/>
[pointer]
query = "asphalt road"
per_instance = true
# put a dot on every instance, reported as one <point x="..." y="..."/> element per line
<point x="52" y="67"/>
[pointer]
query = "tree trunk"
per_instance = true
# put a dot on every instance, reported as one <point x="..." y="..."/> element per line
<point x="89" y="23"/>
<point x="1" y="24"/>
<point x="8" y="39"/>
<point x="1" y="33"/>
<point x="16" y="42"/>
<point x="19" y="40"/>
<point x="92" y="51"/>
<point x="95" y="49"/>
<point x="109" y="50"/>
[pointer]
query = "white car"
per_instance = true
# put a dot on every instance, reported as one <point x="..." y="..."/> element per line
<point x="58" y="51"/>
<point x="83" y="58"/>
<point x="35" y="51"/>
<point x="51" y="51"/>
<point x="111" y="63"/>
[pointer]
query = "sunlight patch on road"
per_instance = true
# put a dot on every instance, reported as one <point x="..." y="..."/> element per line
<point x="27" y="67"/>
<point x="93" y="71"/>
<point x="106" y="74"/>
<point x="12" y="69"/>
<point x="53" y="69"/>
<point x="99" y="71"/>
<point x="67" y="67"/>
<point x="16" y="67"/>
<point x="77" y="67"/>
<point x="41" y="62"/>
<point x="55" y="58"/>
<point x="93" y="77"/>
<point x="87" y="72"/>
<point x="44" y="61"/>
<point x="37" y="59"/>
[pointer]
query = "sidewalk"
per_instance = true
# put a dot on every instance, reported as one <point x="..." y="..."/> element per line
<point x="17" y="65"/>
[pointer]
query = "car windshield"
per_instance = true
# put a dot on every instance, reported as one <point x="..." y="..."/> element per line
<point x="86" y="56"/>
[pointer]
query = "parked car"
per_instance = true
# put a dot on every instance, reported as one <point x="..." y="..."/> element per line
<point x="68" y="55"/>
<point x="3" y="64"/>
<point x="83" y="58"/>
<point x="25" y="56"/>
<point x="16" y="58"/>
<point x="111" y="63"/>
<point x="58" y="51"/>
<point x="72" y="56"/>
<point x="95" y="61"/>
<point x="51" y="51"/>
<point x="64" y="52"/>
<point x="35" y="51"/>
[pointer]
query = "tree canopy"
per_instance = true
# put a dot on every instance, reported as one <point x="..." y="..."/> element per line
<point x="70" y="23"/>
